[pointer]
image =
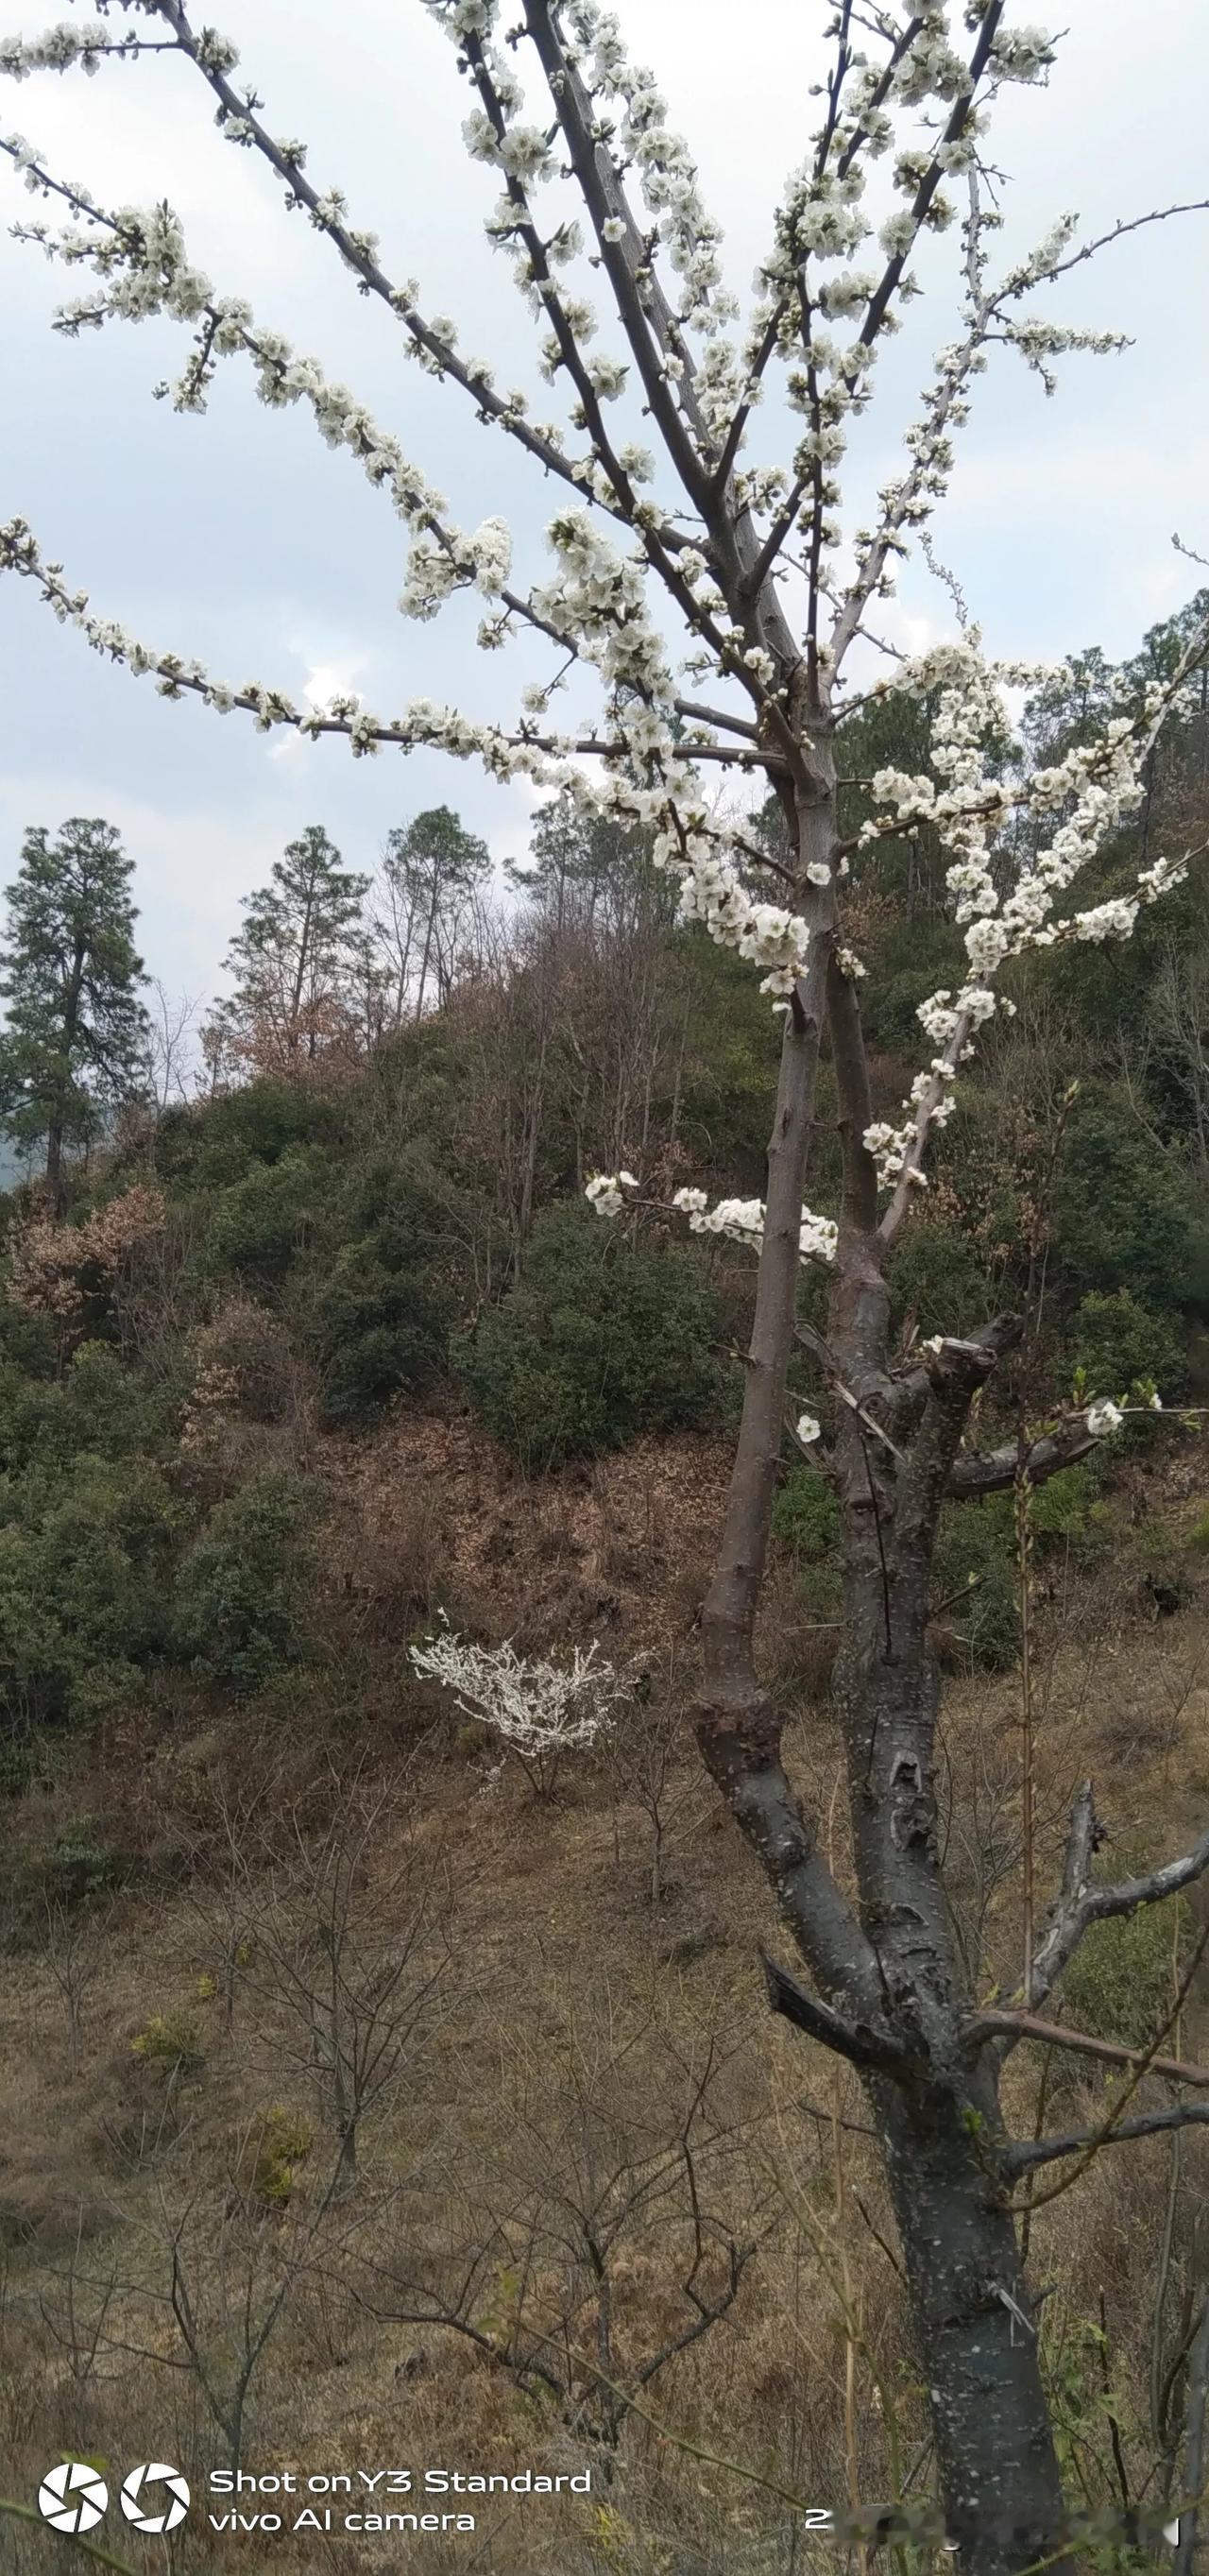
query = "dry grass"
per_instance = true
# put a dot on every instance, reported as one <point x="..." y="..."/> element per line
<point x="566" y="1986"/>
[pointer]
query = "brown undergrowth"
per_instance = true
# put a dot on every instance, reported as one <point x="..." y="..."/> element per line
<point x="585" y="2136"/>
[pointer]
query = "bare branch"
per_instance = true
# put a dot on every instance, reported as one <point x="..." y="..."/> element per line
<point x="1080" y="1904"/>
<point x="858" y="2042"/>
<point x="1028" y="2153"/>
<point x="996" y="1469"/>
<point x="1023" y="2025"/>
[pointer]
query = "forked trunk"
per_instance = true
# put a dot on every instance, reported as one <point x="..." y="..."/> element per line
<point x="888" y="1987"/>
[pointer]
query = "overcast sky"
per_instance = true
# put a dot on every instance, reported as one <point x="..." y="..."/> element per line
<point x="240" y="538"/>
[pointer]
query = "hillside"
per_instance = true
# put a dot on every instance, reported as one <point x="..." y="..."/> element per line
<point x="380" y="2083"/>
<point x="160" y="2089"/>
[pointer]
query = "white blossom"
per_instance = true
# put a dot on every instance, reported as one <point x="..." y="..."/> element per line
<point x="606" y="1192"/>
<point x="540" y="1709"/>
<point x="1103" y="1417"/>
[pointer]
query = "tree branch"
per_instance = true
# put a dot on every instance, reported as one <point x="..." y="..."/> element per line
<point x="1026" y="2154"/>
<point x="857" y="2041"/>
<point x="995" y="1471"/>
<point x="650" y="329"/>
<point x="954" y="1373"/>
<point x="441" y="352"/>
<point x="1079" y="1904"/>
<point x="1025" y="2025"/>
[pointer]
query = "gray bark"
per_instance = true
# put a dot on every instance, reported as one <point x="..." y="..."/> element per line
<point x="891" y="1989"/>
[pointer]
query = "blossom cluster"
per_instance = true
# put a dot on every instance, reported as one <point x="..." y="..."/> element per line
<point x="742" y="1220"/>
<point x="140" y="254"/>
<point x="539" y="1709"/>
<point x="739" y="1220"/>
<point x="667" y="174"/>
<point x="61" y="49"/>
<point x="1095" y="787"/>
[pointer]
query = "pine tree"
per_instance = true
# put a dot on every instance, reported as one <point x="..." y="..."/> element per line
<point x="75" y="1044"/>
<point x="590" y="870"/>
<point x="295" y="961"/>
<point x="433" y="867"/>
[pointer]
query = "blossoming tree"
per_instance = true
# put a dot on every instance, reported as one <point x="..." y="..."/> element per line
<point x="682" y="559"/>
<point x="539" y="1710"/>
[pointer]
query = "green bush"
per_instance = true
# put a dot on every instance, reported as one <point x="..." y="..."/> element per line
<point x="261" y="1224"/>
<point x="383" y="1310"/>
<point x="277" y="2148"/>
<point x="170" y="2044"/>
<point x="916" y="956"/>
<point x="806" y="1514"/>
<point x="1117" y="1342"/>
<point x="1066" y="1514"/>
<point x="85" y="1586"/>
<point x="89" y="1530"/>
<point x="936" y="1276"/>
<point x="1166" y="1582"/>
<point x="30" y="1342"/>
<point x="80" y="1864"/>
<point x="1119" y="1983"/>
<point x="806" y="1517"/>
<point x="729" y="1064"/>
<point x="598" y="1340"/>
<point x="241" y="1590"/>
<point x="213" y="1144"/>
<point x="16" y="1756"/>
<point x="98" y="1406"/>
<point x="975" y="1578"/>
<point x="1122" y="1213"/>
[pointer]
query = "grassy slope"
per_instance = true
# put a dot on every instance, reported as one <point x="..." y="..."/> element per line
<point x="559" y="1959"/>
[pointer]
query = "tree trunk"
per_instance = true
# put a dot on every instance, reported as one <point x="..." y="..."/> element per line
<point x="56" y="1179"/>
<point x="972" y="2323"/>
<point x="346" y="2171"/>
<point x="974" y="2331"/>
<point x="890" y="1987"/>
<point x="56" y="1190"/>
<point x="428" y="937"/>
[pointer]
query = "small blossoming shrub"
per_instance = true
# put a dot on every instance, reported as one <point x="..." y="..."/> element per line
<point x="599" y="1340"/>
<point x="538" y="1708"/>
